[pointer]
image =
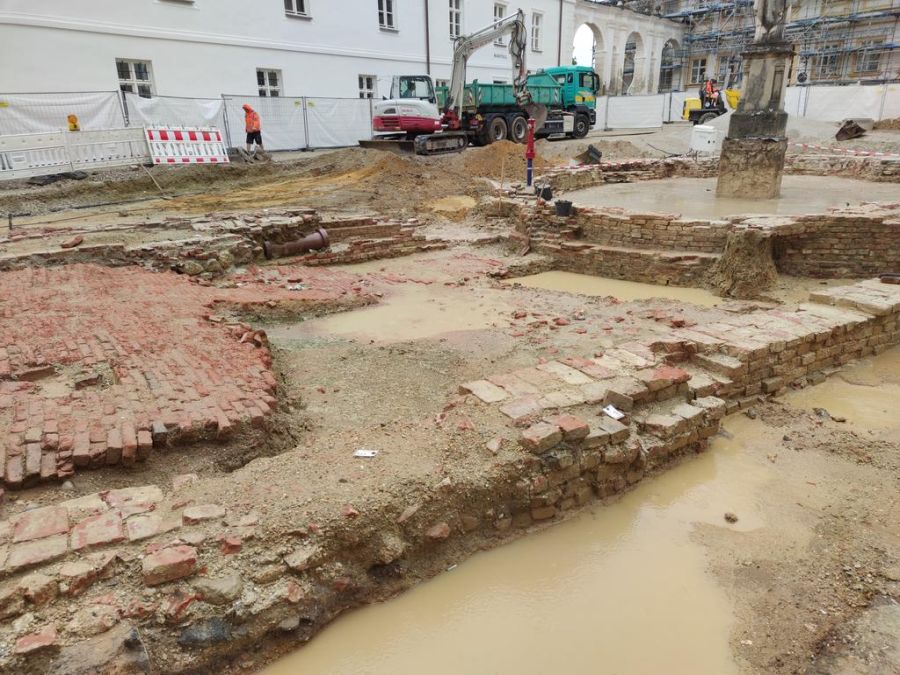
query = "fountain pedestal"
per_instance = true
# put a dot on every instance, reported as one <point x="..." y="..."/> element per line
<point x="752" y="160"/>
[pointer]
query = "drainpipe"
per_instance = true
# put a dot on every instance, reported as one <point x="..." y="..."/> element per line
<point x="427" y="42"/>
<point x="559" y="36"/>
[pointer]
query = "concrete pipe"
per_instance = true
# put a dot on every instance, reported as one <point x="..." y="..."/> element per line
<point x="311" y="242"/>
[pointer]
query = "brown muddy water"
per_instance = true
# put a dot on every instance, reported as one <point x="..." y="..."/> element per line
<point x="696" y="197"/>
<point x="586" y="284"/>
<point x="618" y="589"/>
<point x="622" y="588"/>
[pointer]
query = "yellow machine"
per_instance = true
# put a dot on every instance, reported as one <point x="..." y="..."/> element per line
<point x="692" y="111"/>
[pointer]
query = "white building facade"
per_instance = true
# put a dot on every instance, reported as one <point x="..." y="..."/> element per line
<point x="335" y="48"/>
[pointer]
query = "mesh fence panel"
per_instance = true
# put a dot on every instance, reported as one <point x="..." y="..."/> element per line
<point x="175" y="111"/>
<point x="38" y="113"/>
<point x="336" y="122"/>
<point x="281" y="121"/>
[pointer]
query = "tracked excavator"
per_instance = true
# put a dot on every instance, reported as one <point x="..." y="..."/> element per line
<point x="410" y="120"/>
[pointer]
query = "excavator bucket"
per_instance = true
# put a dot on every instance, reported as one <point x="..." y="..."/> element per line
<point x="538" y="112"/>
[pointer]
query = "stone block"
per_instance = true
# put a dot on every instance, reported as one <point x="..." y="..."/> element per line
<point x="715" y="407"/>
<point x="540" y="437"/>
<point x="617" y="431"/>
<point x="31" y="553"/>
<point x="105" y="528"/>
<point x="169" y="564"/>
<point x="573" y="428"/>
<point x="196" y="514"/>
<point x="521" y="409"/>
<point x="484" y="390"/>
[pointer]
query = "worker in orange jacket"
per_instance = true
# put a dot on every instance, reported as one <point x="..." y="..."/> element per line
<point x="251" y="124"/>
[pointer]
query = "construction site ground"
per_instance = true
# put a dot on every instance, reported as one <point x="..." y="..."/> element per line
<point x="376" y="356"/>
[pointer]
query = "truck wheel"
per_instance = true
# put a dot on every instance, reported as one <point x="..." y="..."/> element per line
<point x="497" y="129"/>
<point x="518" y="129"/>
<point x="707" y="117"/>
<point x="582" y="126"/>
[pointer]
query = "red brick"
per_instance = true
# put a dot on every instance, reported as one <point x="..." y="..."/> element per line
<point x="33" y="642"/>
<point x="169" y="564"/>
<point x="540" y="437"/>
<point x="105" y="528"/>
<point x="129" y="444"/>
<point x="40" y="523"/>
<point x="573" y="428"/>
<point x="30" y="553"/>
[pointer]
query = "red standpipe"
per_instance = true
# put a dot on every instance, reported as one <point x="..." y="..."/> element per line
<point x="529" y="152"/>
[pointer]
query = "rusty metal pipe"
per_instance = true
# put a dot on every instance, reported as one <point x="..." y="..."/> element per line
<point x="311" y="242"/>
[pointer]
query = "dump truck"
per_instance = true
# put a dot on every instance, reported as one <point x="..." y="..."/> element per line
<point x="491" y="113"/>
<point x="419" y="118"/>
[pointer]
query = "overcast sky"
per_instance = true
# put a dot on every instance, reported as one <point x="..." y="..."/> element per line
<point x="584" y="44"/>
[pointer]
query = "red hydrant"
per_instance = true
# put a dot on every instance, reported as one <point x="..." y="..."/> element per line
<point x="529" y="152"/>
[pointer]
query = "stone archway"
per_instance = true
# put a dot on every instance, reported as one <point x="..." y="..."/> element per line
<point x="669" y="67"/>
<point x="596" y="58"/>
<point x="634" y="76"/>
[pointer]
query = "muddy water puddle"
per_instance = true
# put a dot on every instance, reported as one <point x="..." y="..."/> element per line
<point x="585" y="284"/>
<point x="621" y="588"/>
<point x="410" y="312"/>
<point x="865" y="394"/>
<point x="696" y="197"/>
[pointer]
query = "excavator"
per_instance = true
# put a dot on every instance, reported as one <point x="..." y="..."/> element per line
<point x="410" y="119"/>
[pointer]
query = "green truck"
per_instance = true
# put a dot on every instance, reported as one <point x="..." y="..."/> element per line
<point x="490" y="112"/>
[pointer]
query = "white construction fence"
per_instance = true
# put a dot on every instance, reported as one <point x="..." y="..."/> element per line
<point x="317" y="122"/>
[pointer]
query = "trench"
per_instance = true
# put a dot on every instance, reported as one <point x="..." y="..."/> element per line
<point x="607" y="582"/>
<point x="696" y="197"/>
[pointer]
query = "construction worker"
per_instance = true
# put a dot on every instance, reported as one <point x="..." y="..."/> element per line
<point x="251" y="124"/>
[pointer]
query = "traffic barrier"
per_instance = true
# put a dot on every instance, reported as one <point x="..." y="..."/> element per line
<point x="28" y="155"/>
<point x="189" y="145"/>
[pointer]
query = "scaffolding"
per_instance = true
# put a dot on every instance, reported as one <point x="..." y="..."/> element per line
<point x="836" y="42"/>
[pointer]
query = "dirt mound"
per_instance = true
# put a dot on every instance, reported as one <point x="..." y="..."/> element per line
<point x="491" y="160"/>
<point x="562" y="151"/>
<point x="892" y="124"/>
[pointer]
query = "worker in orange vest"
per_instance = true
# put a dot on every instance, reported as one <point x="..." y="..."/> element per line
<point x="251" y="123"/>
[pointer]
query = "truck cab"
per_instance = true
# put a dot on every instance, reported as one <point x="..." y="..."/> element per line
<point x="580" y="86"/>
<point x="410" y="110"/>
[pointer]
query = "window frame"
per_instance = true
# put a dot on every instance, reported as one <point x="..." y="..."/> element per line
<point x="500" y="41"/>
<point x="295" y="13"/>
<point x="384" y="14"/>
<point x="456" y="10"/>
<point x="701" y="75"/>
<point x="830" y="57"/>
<point x="265" y="90"/>
<point x="537" y="32"/>
<point x="372" y="92"/>
<point x="869" y="50"/>
<point x="133" y="80"/>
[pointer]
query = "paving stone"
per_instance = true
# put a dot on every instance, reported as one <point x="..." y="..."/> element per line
<point x="513" y="385"/>
<point x="31" y="553"/>
<point x="39" y="523"/>
<point x="484" y="390"/>
<point x="540" y="437"/>
<point x="105" y="528"/>
<point x="169" y="564"/>
<point x="564" y="398"/>
<point x="196" y="514"/>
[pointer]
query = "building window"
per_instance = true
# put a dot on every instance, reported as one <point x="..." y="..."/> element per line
<point x="537" y="32"/>
<point x="869" y="59"/>
<point x="268" y="82"/>
<point x="499" y="15"/>
<point x="442" y="83"/>
<point x="386" y="16"/>
<point x="367" y="86"/>
<point x="296" y="8"/>
<point x="455" y="18"/>
<point x="135" y="77"/>
<point x="698" y="71"/>
<point x="827" y="62"/>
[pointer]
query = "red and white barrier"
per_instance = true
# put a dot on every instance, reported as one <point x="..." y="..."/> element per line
<point x="188" y="145"/>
